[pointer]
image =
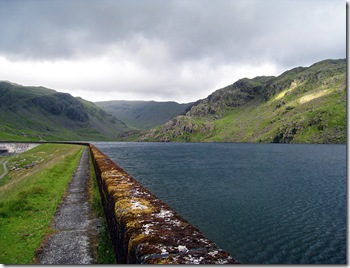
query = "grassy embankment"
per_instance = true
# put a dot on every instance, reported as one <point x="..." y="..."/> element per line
<point x="29" y="196"/>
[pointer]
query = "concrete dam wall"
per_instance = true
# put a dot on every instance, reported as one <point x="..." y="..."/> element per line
<point x="144" y="229"/>
<point x="16" y="147"/>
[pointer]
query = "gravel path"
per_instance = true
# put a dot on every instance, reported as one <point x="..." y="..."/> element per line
<point x="75" y="227"/>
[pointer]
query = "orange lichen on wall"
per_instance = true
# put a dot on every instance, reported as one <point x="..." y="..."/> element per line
<point x="143" y="228"/>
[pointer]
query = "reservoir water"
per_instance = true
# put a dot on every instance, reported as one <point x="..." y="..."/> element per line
<point x="263" y="203"/>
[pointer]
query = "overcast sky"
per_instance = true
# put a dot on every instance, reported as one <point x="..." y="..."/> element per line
<point x="178" y="50"/>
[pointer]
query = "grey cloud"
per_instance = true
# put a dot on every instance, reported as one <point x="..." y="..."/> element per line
<point x="227" y="30"/>
<point x="174" y="49"/>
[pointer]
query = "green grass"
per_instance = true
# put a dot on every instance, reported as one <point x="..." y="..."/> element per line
<point x="1" y="166"/>
<point x="318" y="115"/>
<point x="105" y="251"/>
<point x="39" y="114"/>
<point x="28" y="200"/>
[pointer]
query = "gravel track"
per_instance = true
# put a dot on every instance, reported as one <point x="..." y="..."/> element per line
<point x="74" y="225"/>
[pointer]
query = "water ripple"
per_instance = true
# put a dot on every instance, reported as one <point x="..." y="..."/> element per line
<point x="264" y="203"/>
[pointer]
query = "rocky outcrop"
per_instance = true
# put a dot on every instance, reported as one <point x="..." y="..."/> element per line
<point x="62" y="103"/>
<point x="179" y="128"/>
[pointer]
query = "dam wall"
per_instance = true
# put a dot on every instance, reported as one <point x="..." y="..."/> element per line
<point x="145" y="230"/>
<point x="16" y="147"/>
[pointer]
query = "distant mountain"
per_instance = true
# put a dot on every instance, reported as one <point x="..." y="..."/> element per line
<point x="302" y="105"/>
<point x="141" y="115"/>
<point x="38" y="113"/>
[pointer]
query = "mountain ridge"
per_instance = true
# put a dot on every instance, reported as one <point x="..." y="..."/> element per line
<point x="142" y="115"/>
<point x="302" y="105"/>
<point x="39" y="113"/>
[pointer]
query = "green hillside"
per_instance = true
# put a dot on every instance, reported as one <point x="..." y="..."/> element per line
<point x="142" y="115"/>
<point x="303" y="105"/>
<point x="38" y="113"/>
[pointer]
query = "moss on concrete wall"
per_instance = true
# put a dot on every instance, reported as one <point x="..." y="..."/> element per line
<point x="143" y="228"/>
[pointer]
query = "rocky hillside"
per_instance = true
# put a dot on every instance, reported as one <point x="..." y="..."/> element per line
<point x="38" y="113"/>
<point x="141" y="115"/>
<point x="302" y="105"/>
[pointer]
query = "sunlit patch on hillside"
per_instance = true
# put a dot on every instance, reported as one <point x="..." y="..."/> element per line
<point x="280" y="95"/>
<point x="313" y="96"/>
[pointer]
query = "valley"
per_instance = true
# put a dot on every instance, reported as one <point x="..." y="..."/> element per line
<point x="302" y="105"/>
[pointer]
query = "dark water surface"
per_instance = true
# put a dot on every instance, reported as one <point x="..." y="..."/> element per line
<point x="263" y="203"/>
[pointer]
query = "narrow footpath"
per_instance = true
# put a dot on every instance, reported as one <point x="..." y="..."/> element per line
<point x="75" y="228"/>
<point x="5" y="169"/>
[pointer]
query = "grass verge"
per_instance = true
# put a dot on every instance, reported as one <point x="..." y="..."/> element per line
<point x="105" y="251"/>
<point x="30" y="196"/>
